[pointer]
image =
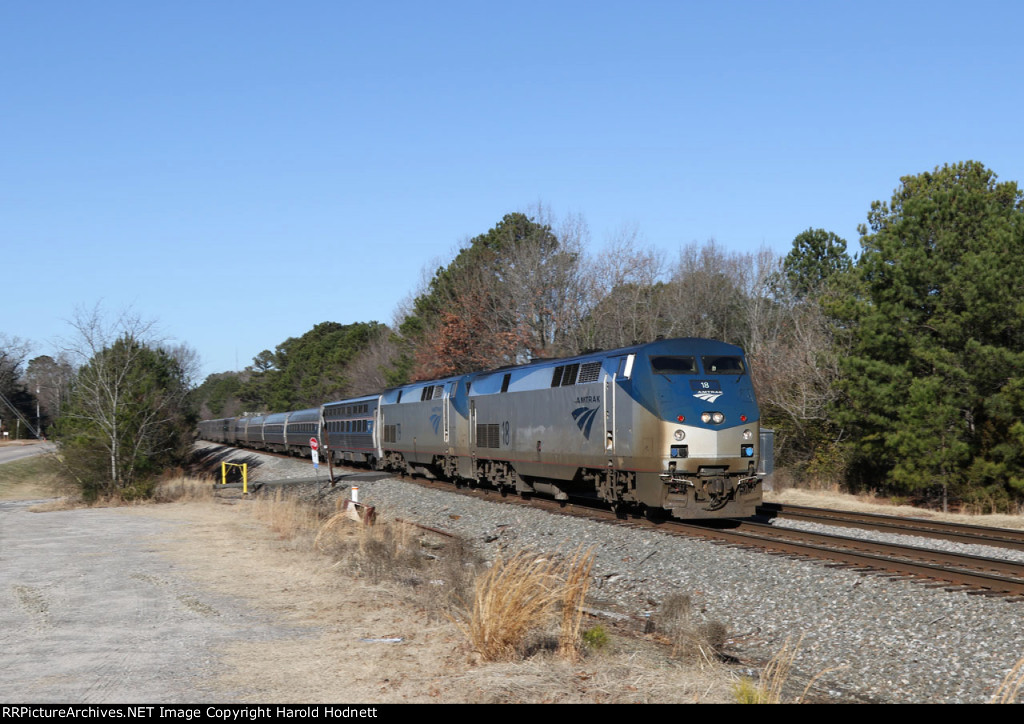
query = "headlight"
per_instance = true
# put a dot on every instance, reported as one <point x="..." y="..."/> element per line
<point x="705" y="417"/>
<point x="748" y="435"/>
<point x="716" y="417"/>
<point x="679" y="434"/>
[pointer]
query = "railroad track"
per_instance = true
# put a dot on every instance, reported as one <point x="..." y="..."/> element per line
<point x="956" y="571"/>
<point x="972" y="574"/>
<point x="956" y="532"/>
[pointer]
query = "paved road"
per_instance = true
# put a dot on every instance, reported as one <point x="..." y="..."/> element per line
<point x="16" y="451"/>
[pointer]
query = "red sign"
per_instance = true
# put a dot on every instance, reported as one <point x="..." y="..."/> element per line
<point x="313" y="444"/>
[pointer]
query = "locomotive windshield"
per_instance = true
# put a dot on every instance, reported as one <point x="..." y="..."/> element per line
<point x="666" y="365"/>
<point x="723" y="365"/>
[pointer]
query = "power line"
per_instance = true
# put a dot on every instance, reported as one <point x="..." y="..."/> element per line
<point x="20" y="416"/>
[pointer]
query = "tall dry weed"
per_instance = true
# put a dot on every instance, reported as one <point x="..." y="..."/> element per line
<point x="286" y="516"/>
<point x="776" y="673"/>
<point x="1010" y="688"/>
<point x="510" y="599"/>
<point x="442" y="569"/>
<point x="520" y="595"/>
<point x="769" y="687"/>
<point x="691" y="640"/>
<point x="574" y="592"/>
<point x="182" y="489"/>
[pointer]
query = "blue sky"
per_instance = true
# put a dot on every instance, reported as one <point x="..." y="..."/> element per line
<point x="240" y="170"/>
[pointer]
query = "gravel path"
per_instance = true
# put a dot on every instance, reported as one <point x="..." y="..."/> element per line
<point x="92" y="612"/>
<point x="868" y="637"/>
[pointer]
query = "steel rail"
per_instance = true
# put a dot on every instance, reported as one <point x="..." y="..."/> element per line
<point x="956" y="532"/>
<point x="905" y="560"/>
<point x="854" y="552"/>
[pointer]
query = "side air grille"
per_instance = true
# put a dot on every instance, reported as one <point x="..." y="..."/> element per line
<point x="487" y="436"/>
<point x="590" y="372"/>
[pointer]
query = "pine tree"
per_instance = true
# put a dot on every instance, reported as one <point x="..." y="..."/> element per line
<point x="933" y="379"/>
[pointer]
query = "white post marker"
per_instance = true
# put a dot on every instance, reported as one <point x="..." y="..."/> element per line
<point x="354" y="497"/>
<point x="313" y="447"/>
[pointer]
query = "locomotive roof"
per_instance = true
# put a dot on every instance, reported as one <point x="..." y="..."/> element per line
<point x="701" y="344"/>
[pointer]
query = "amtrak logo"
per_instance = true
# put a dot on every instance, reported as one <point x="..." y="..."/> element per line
<point x="707" y="390"/>
<point x="584" y="417"/>
<point x="435" y="422"/>
<point x="708" y="396"/>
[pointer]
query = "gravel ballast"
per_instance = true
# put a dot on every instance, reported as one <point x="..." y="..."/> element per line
<point x="865" y="637"/>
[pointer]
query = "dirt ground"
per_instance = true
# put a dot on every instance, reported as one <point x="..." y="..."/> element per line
<point x="200" y="602"/>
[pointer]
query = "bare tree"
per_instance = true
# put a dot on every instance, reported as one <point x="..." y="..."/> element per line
<point x="188" y="360"/>
<point x="15" y="400"/>
<point x="368" y="370"/>
<point x="623" y="294"/>
<point x="705" y="294"/>
<point x="795" y="358"/>
<point x="13" y="352"/>
<point x="543" y="282"/>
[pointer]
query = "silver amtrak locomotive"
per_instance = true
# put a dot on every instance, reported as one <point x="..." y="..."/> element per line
<point x="666" y="427"/>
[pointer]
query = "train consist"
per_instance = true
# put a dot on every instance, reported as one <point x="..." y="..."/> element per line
<point x="670" y="426"/>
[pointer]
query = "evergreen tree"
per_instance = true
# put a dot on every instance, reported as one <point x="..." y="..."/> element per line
<point x="934" y="375"/>
<point x="308" y="370"/>
<point x="817" y="257"/>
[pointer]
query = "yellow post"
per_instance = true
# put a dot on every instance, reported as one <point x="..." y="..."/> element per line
<point x="245" y="475"/>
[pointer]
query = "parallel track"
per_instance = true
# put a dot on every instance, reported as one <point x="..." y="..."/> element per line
<point x="957" y="532"/>
<point x="973" y="574"/>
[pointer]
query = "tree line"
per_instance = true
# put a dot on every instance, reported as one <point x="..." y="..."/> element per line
<point x="899" y="369"/>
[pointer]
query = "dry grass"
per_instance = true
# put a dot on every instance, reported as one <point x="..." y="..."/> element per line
<point x="701" y="642"/>
<point x="775" y="675"/>
<point x="441" y="570"/>
<point x="769" y="687"/>
<point x="574" y="593"/>
<point x="1010" y="688"/>
<point x="180" y="488"/>
<point x="288" y="517"/>
<point x="45" y="476"/>
<point x="509" y="600"/>
<point x="519" y="596"/>
<point x="635" y="673"/>
<point x="872" y="504"/>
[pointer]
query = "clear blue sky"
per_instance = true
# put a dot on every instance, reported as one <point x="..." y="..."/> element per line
<point x="240" y="170"/>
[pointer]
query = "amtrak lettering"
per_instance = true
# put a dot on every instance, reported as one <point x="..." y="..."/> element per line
<point x="707" y="390"/>
<point x="588" y="399"/>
